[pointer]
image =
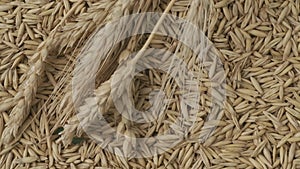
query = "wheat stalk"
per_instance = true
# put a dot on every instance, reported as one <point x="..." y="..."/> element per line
<point x="123" y="80"/>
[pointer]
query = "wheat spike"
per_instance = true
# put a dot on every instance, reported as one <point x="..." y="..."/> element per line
<point x="27" y="93"/>
<point x="120" y="8"/>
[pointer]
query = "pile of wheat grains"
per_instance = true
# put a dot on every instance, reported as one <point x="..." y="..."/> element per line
<point x="258" y="42"/>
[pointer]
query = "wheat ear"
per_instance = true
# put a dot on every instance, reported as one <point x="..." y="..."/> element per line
<point x="27" y="92"/>
<point x="25" y="97"/>
<point x="73" y="123"/>
<point x="120" y="8"/>
<point x="118" y="86"/>
<point x="71" y="126"/>
<point x="53" y="43"/>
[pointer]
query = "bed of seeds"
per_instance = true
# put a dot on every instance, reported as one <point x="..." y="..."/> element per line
<point x="258" y="42"/>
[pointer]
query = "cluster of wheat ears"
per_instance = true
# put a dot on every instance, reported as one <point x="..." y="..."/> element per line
<point x="257" y="42"/>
